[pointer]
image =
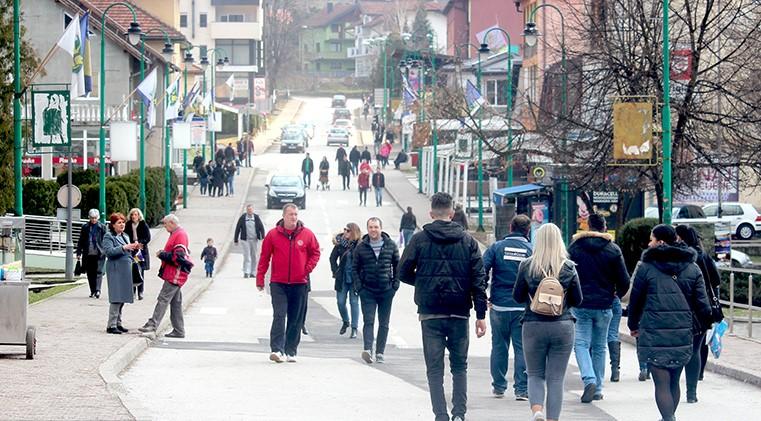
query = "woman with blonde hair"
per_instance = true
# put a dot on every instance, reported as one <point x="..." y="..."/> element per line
<point x="547" y="339"/>
<point x="137" y="230"/>
<point x="341" y="265"/>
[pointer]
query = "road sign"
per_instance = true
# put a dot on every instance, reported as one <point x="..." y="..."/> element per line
<point x="51" y="118"/>
<point x="76" y="196"/>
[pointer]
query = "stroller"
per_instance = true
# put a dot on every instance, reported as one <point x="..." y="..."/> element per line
<point x="324" y="182"/>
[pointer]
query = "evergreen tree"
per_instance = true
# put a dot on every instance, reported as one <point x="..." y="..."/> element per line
<point x="421" y="27"/>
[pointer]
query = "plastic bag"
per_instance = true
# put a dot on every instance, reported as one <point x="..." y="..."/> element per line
<point x="716" y="333"/>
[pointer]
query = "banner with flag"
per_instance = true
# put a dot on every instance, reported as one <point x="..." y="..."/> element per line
<point x="147" y="91"/>
<point x="84" y="24"/>
<point x="231" y="84"/>
<point x="172" y="101"/>
<point x="473" y="97"/>
<point x="71" y="42"/>
<point x="190" y="99"/>
<point x="408" y="94"/>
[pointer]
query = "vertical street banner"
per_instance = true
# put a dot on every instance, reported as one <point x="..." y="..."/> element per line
<point x="681" y="71"/>
<point x="51" y="111"/>
<point x="632" y="131"/>
<point x="260" y="89"/>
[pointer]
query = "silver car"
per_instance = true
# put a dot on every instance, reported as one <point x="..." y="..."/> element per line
<point x="338" y="136"/>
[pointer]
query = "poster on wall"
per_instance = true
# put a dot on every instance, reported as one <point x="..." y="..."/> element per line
<point x="606" y="204"/>
<point x="540" y="215"/>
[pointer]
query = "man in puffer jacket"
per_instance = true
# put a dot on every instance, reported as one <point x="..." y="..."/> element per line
<point x="668" y="300"/>
<point x="374" y="273"/>
<point x="444" y="265"/>
<point x="603" y="276"/>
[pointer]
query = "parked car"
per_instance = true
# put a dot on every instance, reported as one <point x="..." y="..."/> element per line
<point x="293" y="141"/>
<point x="344" y="124"/>
<point x="745" y="219"/>
<point x="283" y="189"/>
<point x="341" y="113"/>
<point x="338" y="136"/>
<point x="339" y="101"/>
<point x="678" y="212"/>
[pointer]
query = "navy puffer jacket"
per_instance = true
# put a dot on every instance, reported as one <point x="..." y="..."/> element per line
<point x="667" y="300"/>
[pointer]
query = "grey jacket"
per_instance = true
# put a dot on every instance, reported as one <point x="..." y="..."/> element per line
<point x="118" y="268"/>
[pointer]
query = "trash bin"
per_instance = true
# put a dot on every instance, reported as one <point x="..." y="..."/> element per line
<point x="14" y="330"/>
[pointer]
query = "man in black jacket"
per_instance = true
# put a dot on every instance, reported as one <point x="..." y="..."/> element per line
<point x="603" y="276"/>
<point x="379" y="183"/>
<point x="444" y="265"/>
<point x="366" y="155"/>
<point x="340" y="155"/>
<point x="354" y="159"/>
<point x="374" y="273"/>
<point x="307" y="168"/>
<point x="249" y="230"/>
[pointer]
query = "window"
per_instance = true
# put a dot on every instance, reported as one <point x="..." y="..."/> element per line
<point x="183" y="20"/>
<point x="239" y="51"/>
<point x="231" y="18"/>
<point x="731" y="210"/>
<point x="317" y="47"/>
<point x="710" y="210"/>
<point x="203" y="20"/>
<point x="203" y="50"/>
<point x="496" y="93"/>
<point x="335" y="28"/>
<point x="334" y="47"/>
<point x="336" y="65"/>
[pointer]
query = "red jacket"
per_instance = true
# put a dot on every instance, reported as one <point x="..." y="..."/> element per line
<point x="174" y="255"/>
<point x="364" y="180"/>
<point x="294" y="255"/>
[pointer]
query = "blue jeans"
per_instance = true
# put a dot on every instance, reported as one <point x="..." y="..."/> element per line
<point x="230" y="184"/>
<point x="615" y="321"/>
<point x="378" y="196"/>
<point x="407" y="236"/>
<point x="591" y="343"/>
<point x="439" y="335"/>
<point x="353" y="303"/>
<point x="506" y="327"/>
<point x="209" y="266"/>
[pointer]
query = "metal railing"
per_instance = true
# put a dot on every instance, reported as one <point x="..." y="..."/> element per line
<point x="734" y="305"/>
<point x="47" y="233"/>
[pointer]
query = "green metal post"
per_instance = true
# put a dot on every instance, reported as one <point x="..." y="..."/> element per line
<point x="142" y="130"/>
<point x="433" y="121"/>
<point x="666" y="117"/>
<point x="167" y="150"/>
<point x="102" y="97"/>
<point x="385" y="85"/>
<point x="480" y="227"/>
<point x="203" y="150"/>
<point x="185" y="151"/>
<point x="17" y="145"/>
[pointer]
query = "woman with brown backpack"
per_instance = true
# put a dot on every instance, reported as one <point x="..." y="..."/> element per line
<point x="549" y="285"/>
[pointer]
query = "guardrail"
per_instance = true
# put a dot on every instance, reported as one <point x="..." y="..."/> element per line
<point x="733" y="305"/>
<point x="46" y="233"/>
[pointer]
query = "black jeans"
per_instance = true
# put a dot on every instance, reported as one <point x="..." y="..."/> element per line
<point x="345" y="180"/>
<point x="93" y="269"/>
<point x="450" y="334"/>
<point x="372" y="301"/>
<point x="288" y="302"/>
<point x="363" y="196"/>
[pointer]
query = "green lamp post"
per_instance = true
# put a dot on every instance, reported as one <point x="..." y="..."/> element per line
<point x="666" y="118"/>
<point x="17" y="92"/>
<point x="484" y="49"/>
<point x="531" y="35"/>
<point x="220" y="63"/>
<point x="133" y="34"/>
<point x="435" y="132"/>
<point x="167" y="52"/>
<point x="188" y="60"/>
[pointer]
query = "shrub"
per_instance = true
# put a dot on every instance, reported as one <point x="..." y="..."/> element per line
<point x="79" y="177"/>
<point x="741" y="288"/>
<point x="633" y="238"/>
<point x="40" y="197"/>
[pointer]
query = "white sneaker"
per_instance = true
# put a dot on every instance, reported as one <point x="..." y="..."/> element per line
<point x="291" y="358"/>
<point x="367" y="356"/>
<point x="277" y="357"/>
<point x="538" y="416"/>
<point x="379" y="359"/>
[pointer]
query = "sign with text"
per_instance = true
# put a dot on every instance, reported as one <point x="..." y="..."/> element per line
<point x="51" y="118"/>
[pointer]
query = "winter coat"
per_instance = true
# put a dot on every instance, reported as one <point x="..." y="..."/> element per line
<point x="143" y="237"/>
<point x="668" y="299"/>
<point x="365" y="166"/>
<point x="409" y="222"/>
<point x="175" y="258"/>
<point x="229" y="153"/>
<point x="354" y="155"/>
<point x="444" y="265"/>
<point x="219" y="176"/>
<point x="209" y="254"/>
<point x="294" y="255"/>
<point x="375" y="274"/>
<point x="83" y="245"/>
<point x="344" y="168"/>
<point x="118" y="268"/>
<point x="340" y="259"/>
<point x="366" y="156"/>
<point x="197" y="162"/>
<point x="601" y="268"/>
<point x="460" y="218"/>
<point x="385" y="150"/>
<point x="340" y="154"/>
<point x="502" y="260"/>
<point x="379" y="180"/>
<point x="527" y="283"/>
<point x="324" y="165"/>
<point x="307" y="166"/>
<point x="363" y="181"/>
<point x="241" y="232"/>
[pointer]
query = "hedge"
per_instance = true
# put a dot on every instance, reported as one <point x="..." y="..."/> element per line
<point x="633" y="238"/>
<point x="79" y="177"/>
<point x="40" y="196"/>
<point x="741" y="288"/>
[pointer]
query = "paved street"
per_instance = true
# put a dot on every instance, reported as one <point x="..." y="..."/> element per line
<point x="221" y="369"/>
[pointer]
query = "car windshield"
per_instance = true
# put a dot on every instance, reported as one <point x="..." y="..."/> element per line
<point x="338" y="132"/>
<point x="285" y="181"/>
<point x="292" y="135"/>
<point x="342" y="123"/>
<point x="342" y="113"/>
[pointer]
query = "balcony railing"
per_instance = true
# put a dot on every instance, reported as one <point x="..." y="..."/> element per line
<point x="87" y="111"/>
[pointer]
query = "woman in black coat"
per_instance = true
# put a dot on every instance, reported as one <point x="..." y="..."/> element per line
<point x="668" y="300"/>
<point x="341" y="266"/>
<point x="137" y="230"/>
<point x="694" y="369"/>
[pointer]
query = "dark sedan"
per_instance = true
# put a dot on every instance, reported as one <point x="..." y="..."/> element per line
<point x="284" y="189"/>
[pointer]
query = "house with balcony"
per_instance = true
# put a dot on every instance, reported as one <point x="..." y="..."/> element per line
<point x="325" y="41"/>
<point x="122" y="77"/>
<point x="235" y="28"/>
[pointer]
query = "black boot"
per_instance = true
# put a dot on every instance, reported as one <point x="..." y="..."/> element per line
<point x="344" y="326"/>
<point x="615" y="360"/>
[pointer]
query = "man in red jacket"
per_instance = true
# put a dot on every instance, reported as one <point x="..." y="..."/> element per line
<point x="294" y="252"/>
<point x="175" y="268"/>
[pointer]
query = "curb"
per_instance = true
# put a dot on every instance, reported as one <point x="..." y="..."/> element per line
<point x="722" y="369"/>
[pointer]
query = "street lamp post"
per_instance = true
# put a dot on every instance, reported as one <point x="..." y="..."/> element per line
<point x="509" y="86"/>
<point x="134" y="37"/>
<point x="666" y="119"/>
<point x="17" y="144"/>
<point x="220" y="63"/>
<point x="187" y="60"/>
<point x="434" y="129"/>
<point x="531" y="34"/>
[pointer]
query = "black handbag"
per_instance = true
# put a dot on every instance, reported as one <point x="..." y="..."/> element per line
<point x="78" y="268"/>
<point x="137" y="274"/>
<point x="717" y="314"/>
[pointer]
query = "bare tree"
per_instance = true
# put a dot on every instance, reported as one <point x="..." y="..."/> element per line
<point x="283" y="19"/>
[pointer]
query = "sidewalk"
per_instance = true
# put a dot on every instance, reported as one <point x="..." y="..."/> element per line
<point x="74" y="374"/>
<point x="739" y="358"/>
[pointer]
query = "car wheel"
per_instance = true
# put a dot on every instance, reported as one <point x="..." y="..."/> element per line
<point x="303" y="204"/>
<point x="745" y="231"/>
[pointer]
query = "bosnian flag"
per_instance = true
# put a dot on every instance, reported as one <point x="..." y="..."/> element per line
<point x="172" y="101"/>
<point x="147" y="91"/>
<point x="473" y="97"/>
